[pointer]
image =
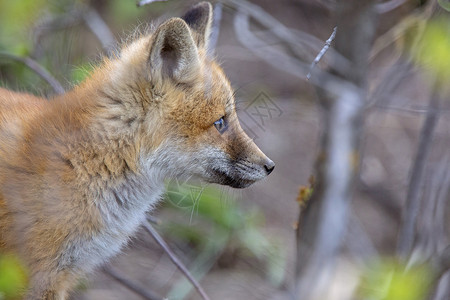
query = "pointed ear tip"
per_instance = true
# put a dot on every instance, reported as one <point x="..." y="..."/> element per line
<point x="201" y="8"/>
<point x="204" y="5"/>
<point x="175" y="23"/>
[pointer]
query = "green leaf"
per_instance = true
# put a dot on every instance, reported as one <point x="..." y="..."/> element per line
<point x="432" y="52"/>
<point x="389" y="280"/>
<point x="13" y="278"/>
<point x="80" y="73"/>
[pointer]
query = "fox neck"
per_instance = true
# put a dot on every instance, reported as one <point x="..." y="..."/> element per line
<point x="107" y="151"/>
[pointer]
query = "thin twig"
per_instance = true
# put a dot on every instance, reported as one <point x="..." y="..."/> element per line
<point x="149" y="228"/>
<point x="145" y="2"/>
<point x="143" y="292"/>
<point x="38" y="69"/>
<point x="322" y="52"/>
<point x="411" y="211"/>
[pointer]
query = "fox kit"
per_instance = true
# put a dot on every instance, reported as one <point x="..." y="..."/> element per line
<point x="79" y="172"/>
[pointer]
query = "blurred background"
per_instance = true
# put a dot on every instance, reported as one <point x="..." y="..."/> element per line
<point x="242" y="244"/>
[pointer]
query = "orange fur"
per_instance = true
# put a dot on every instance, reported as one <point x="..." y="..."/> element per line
<point x="79" y="172"/>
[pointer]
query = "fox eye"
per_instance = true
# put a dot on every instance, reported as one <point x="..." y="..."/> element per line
<point x="220" y="125"/>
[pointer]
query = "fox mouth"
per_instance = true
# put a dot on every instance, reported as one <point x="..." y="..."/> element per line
<point x="223" y="178"/>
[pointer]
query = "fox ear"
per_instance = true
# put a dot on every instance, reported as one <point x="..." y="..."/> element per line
<point x="173" y="53"/>
<point x="199" y="18"/>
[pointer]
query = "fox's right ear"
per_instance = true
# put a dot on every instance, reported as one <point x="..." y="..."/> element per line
<point x="199" y="18"/>
<point x="173" y="53"/>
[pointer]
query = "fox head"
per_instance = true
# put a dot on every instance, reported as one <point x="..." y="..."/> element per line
<point x="190" y="126"/>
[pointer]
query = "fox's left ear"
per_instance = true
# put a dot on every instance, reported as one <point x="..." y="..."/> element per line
<point x="199" y="18"/>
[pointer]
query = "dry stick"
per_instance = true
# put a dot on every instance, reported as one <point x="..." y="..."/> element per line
<point x="149" y="228"/>
<point x="410" y="213"/>
<point x="131" y="285"/>
<point x="322" y="52"/>
<point x="323" y="223"/>
<point x="145" y="2"/>
<point x="38" y="69"/>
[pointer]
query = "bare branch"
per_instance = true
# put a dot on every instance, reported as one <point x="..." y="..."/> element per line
<point x="323" y="228"/>
<point x="324" y="222"/>
<point x="99" y="28"/>
<point x="149" y="228"/>
<point x="294" y="39"/>
<point x="145" y="2"/>
<point x="322" y="52"/>
<point x="281" y="61"/>
<point x="410" y="213"/>
<point x="276" y="27"/>
<point x="277" y="59"/>
<point x="38" y="69"/>
<point x="143" y="292"/>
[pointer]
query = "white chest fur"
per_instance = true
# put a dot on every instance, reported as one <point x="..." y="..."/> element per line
<point x="122" y="209"/>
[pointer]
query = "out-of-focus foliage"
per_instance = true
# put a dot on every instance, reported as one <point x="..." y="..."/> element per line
<point x="389" y="280"/>
<point x="13" y="278"/>
<point x="16" y="19"/>
<point x="80" y="73"/>
<point x="222" y="229"/>
<point x="433" y="52"/>
<point x="445" y="4"/>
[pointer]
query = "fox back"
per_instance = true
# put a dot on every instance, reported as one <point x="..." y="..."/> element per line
<point x="79" y="172"/>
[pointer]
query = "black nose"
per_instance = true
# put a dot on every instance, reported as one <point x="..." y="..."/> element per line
<point x="269" y="166"/>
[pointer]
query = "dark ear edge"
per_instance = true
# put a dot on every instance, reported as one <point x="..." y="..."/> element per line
<point x="199" y="18"/>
